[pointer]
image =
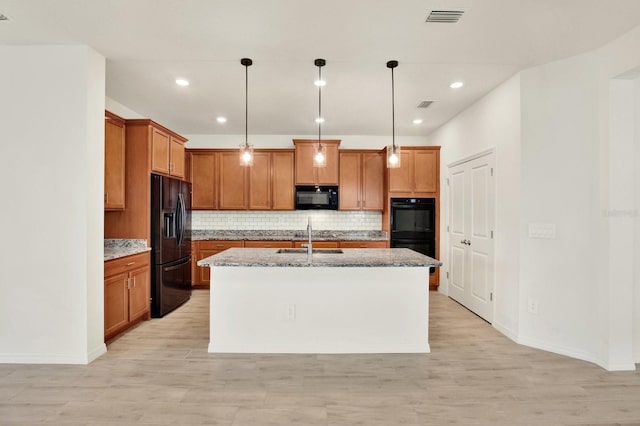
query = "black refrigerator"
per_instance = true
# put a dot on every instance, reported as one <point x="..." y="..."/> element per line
<point x="170" y="244"/>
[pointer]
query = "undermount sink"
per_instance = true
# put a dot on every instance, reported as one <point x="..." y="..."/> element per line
<point x="304" y="250"/>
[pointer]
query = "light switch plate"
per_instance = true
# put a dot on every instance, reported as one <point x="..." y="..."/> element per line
<point x="546" y="231"/>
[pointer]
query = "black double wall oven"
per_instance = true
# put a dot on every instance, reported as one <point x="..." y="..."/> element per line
<point x="413" y="224"/>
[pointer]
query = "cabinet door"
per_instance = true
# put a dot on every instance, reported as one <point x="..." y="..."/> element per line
<point x="372" y="181"/>
<point x="425" y="166"/>
<point x="194" y="264"/>
<point x="317" y="244"/>
<point x="260" y="182"/>
<point x="350" y="185"/>
<point x="116" y="303"/>
<point x="328" y="175"/>
<point x="138" y="293"/>
<point x="233" y="182"/>
<point x="177" y="159"/>
<point x="305" y="172"/>
<point x="160" y="151"/>
<point x="401" y="179"/>
<point x="282" y="184"/>
<point x="114" y="158"/>
<point x="204" y="181"/>
<point x="204" y="275"/>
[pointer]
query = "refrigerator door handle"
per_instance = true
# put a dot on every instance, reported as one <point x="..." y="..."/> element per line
<point x="180" y="221"/>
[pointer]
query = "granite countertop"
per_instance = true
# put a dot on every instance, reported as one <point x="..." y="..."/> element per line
<point x="117" y="248"/>
<point x="349" y="258"/>
<point x="289" y="235"/>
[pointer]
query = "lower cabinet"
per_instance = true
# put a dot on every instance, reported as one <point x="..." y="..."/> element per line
<point x="363" y="244"/>
<point x="126" y="293"/>
<point x="316" y="244"/>
<point x="268" y="244"/>
<point x="205" y="248"/>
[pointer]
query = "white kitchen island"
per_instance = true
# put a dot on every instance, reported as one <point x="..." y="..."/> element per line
<point x="357" y="301"/>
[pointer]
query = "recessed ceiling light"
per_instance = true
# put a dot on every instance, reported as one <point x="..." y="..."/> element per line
<point x="456" y="84"/>
<point x="417" y="121"/>
<point x="319" y="120"/>
<point x="3" y="17"/>
<point x="182" y="82"/>
<point x="320" y="83"/>
<point x="221" y="119"/>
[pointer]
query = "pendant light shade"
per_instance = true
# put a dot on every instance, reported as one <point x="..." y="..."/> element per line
<point x="393" y="151"/>
<point x="320" y="153"/>
<point x="246" y="149"/>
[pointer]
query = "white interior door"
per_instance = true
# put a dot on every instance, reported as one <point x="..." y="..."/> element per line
<point x="471" y="219"/>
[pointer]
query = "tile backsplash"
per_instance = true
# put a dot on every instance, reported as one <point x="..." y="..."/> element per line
<point x="290" y="220"/>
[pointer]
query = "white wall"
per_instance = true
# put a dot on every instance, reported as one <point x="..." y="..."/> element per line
<point x="491" y="123"/>
<point x="123" y="111"/>
<point x="52" y="112"/>
<point x="285" y="141"/>
<point x="636" y="260"/>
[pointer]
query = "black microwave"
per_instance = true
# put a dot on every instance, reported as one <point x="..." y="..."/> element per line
<point x="316" y="197"/>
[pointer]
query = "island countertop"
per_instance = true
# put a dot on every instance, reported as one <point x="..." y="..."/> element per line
<point x="270" y="257"/>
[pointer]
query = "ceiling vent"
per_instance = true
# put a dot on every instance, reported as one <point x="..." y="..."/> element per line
<point x="425" y="104"/>
<point x="445" y="16"/>
<point x="3" y="17"/>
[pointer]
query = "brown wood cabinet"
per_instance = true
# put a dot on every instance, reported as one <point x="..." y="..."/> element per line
<point x="306" y="173"/>
<point x="145" y="145"/>
<point x="114" y="162"/>
<point x="126" y="293"/>
<point x="364" y="244"/>
<point x="317" y="244"/>
<point x="221" y="183"/>
<point x="167" y="153"/>
<point x="418" y="174"/>
<point x="362" y="180"/>
<point x="204" y="179"/>
<point x="205" y="248"/>
<point x="271" y="184"/>
<point x="268" y="244"/>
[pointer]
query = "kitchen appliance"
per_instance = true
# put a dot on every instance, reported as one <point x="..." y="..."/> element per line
<point x="170" y="244"/>
<point x="413" y="224"/>
<point x="316" y="197"/>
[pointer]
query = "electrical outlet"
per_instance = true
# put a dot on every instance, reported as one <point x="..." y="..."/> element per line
<point x="290" y="312"/>
<point x="532" y="306"/>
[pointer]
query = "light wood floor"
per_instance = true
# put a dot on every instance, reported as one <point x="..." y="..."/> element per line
<point x="160" y="373"/>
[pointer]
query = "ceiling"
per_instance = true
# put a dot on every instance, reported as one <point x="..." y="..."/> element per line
<point x="150" y="43"/>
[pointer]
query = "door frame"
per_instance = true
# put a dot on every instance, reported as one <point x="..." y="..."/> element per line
<point x="480" y="154"/>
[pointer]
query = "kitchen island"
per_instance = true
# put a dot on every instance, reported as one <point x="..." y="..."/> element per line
<point x="332" y="301"/>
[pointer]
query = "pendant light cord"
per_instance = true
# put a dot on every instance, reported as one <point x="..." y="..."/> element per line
<point x="320" y="107"/>
<point x="393" y="113"/>
<point x="246" y="105"/>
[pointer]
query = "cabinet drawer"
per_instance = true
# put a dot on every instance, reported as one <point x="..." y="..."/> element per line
<point x="268" y="244"/>
<point x="363" y="244"/>
<point x="124" y="264"/>
<point x="317" y="244"/>
<point x="219" y="244"/>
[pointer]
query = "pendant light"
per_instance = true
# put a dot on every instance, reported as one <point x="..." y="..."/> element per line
<point x="246" y="150"/>
<point x="393" y="151"/>
<point x="320" y="153"/>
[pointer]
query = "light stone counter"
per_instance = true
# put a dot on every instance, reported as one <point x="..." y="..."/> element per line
<point x="117" y="248"/>
<point x="270" y="257"/>
<point x="288" y="235"/>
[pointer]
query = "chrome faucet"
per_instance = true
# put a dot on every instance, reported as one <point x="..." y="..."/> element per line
<point x="309" y="244"/>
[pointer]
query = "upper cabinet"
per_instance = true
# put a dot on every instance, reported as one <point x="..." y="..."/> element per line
<point x="271" y="184"/>
<point x="167" y="153"/>
<point x="306" y="173"/>
<point x="114" y="162"/>
<point x="221" y="183"/>
<point x="204" y="179"/>
<point x="418" y="174"/>
<point x="361" y="180"/>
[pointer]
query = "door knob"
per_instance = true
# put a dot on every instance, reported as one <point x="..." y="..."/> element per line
<point x="467" y="242"/>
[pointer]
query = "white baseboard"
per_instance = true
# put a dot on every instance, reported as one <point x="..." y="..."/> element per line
<point x="506" y="331"/>
<point x="35" y="358"/>
<point x="557" y="349"/>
